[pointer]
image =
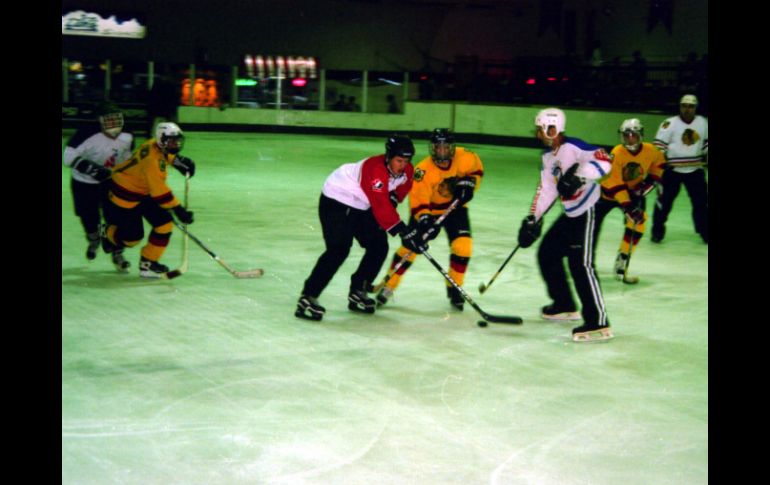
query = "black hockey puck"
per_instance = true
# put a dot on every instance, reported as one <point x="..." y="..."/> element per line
<point x="482" y="323"/>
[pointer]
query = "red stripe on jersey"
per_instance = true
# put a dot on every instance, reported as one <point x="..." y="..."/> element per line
<point x="459" y="267"/>
<point x="164" y="198"/>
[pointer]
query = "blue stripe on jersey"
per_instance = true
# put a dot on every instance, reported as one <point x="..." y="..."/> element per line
<point x="598" y="167"/>
<point x="585" y="198"/>
<point x="583" y="145"/>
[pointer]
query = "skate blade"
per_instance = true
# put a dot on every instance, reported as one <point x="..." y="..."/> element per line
<point x="593" y="335"/>
<point x="562" y="317"/>
<point x="314" y="317"/>
<point x="630" y="280"/>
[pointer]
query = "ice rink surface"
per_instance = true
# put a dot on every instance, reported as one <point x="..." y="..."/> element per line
<point x="209" y="379"/>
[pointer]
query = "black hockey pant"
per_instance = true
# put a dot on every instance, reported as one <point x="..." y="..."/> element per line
<point x="88" y="200"/>
<point x="573" y="238"/>
<point x="695" y="184"/>
<point x="342" y="224"/>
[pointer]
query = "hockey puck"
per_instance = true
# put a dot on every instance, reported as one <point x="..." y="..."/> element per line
<point x="482" y="323"/>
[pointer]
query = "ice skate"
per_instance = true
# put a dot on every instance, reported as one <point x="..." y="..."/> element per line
<point x="455" y="298"/>
<point x="383" y="296"/>
<point x="559" y="314"/>
<point x="359" y="302"/>
<point x="309" y="309"/>
<point x="93" y="245"/>
<point x="151" y="269"/>
<point x="590" y="333"/>
<point x="120" y="262"/>
<point x="621" y="263"/>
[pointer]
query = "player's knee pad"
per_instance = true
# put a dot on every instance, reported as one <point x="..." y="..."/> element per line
<point x="164" y="228"/>
<point x="400" y="252"/>
<point x="462" y="247"/>
<point x="131" y="244"/>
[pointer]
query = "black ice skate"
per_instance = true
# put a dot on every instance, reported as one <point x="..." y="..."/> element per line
<point x="151" y="269"/>
<point x="93" y="245"/>
<point x="108" y="246"/>
<point x="383" y="296"/>
<point x="560" y="313"/>
<point x="590" y="333"/>
<point x="309" y="309"/>
<point x="120" y="262"/>
<point x="621" y="263"/>
<point x="455" y="298"/>
<point x="658" y="233"/>
<point x="359" y="302"/>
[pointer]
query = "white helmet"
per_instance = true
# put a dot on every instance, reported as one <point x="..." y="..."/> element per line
<point x="169" y="137"/>
<point x="631" y="126"/>
<point x="551" y="117"/>
<point x="689" y="99"/>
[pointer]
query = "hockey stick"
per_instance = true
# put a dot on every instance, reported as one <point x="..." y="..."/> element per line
<point x="483" y="287"/>
<point x="174" y="273"/>
<point x="403" y="259"/>
<point x="486" y="316"/>
<point x="253" y="273"/>
<point x="186" y="240"/>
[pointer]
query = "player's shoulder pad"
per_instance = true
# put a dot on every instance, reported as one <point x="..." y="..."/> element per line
<point x="84" y="133"/>
<point x="583" y="145"/>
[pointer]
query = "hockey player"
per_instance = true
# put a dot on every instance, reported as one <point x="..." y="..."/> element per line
<point x="139" y="191"/>
<point x="684" y="139"/>
<point x="636" y="168"/>
<point x="570" y="170"/>
<point x="449" y="173"/>
<point x="91" y="153"/>
<point x="356" y="203"/>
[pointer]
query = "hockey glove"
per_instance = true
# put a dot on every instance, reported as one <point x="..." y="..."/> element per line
<point x="184" y="165"/>
<point x="411" y="240"/>
<point x="393" y="198"/>
<point x="529" y="231"/>
<point x="464" y="188"/>
<point x="87" y="167"/>
<point x="426" y="224"/>
<point x="569" y="183"/>
<point x="183" y="215"/>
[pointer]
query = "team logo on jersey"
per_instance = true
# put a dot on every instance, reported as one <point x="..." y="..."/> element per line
<point x="162" y="163"/>
<point x="632" y="171"/>
<point x="601" y="154"/>
<point x="377" y="185"/>
<point x="418" y="174"/>
<point x="690" y="137"/>
<point x="665" y="124"/>
<point x="446" y="187"/>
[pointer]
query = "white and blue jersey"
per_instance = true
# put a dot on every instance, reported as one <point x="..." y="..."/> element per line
<point x="594" y="163"/>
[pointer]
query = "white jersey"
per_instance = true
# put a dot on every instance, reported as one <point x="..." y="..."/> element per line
<point x="685" y="144"/>
<point x="92" y="144"/>
<point x="594" y="165"/>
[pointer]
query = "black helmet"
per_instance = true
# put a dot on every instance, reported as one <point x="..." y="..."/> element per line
<point x="442" y="136"/>
<point x="398" y="146"/>
<point x="110" y="118"/>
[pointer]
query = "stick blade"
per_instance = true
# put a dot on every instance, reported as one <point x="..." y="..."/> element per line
<point x="482" y="288"/>
<point x="630" y="280"/>
<point x="510" y="320"/>
<point x="254" y="273"/>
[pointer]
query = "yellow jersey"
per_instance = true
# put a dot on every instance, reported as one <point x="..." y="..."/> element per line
<point x="629" y="171"/>
<point x="432" y="186"/>
<point x="142" y="176"/>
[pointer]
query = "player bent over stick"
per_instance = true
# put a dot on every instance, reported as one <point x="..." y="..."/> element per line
<point x="356" y="204"/>
<point x="449" y="173"/>
<point x="139" y="191"/>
